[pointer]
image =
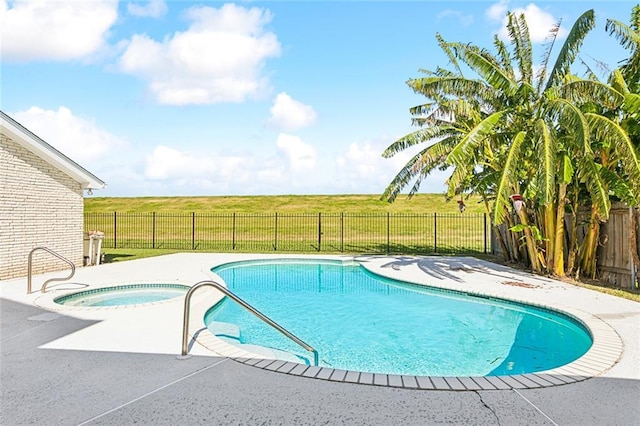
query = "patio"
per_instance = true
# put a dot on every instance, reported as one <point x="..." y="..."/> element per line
<point x="119" y="366"/>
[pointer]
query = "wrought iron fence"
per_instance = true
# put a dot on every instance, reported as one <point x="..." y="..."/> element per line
<point x="295" y="232"/>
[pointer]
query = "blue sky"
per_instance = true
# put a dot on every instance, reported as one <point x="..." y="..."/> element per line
<point x="248" y="98"/>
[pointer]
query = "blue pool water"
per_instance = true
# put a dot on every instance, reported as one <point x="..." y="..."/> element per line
<point x="131" y="294"/>
<point x="360" y="321"/>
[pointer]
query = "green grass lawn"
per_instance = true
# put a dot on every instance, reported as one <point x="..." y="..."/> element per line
<point x="290" y="223"/>
<point x="420" y="203"/>
<point x="287" y="205"/>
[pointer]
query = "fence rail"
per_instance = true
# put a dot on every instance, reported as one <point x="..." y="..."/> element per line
<point x="295" y="232"/>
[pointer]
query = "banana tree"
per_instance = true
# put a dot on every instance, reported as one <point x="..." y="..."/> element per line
<point x="508" y="130"/>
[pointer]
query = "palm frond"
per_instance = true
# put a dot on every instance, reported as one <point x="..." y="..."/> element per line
<point x="619" y="187"/>
<point x="443" y="72"/>
<point x="401" y="180"/>
<point x="447" y="50"/>
<point x="617" y="82"/>
<point x="547" y="153"/>
<point x="570" y="48"/>
<point x="586" y="91"/>
<point x="626" y="36"/>
<point x="457" y="112"/>
<point x="507" y="181"/>
<point x="631" y="104"/>
<point x="440" y="87"/>
<point x="420" y="164"/>
<point x="589" y="174"/>
<point x="503" y="56"/>
<point x="519" y="34"/>
<point x="466" y="148"/>
<point x="423" y="109"/>
<point x="546" y="55"/>
<point x="572" y="121"/>
<point x="421" y="136"/>
<point x="590" y="74"/>
<point x="605" y="130"/>
<point x="458" y="178"/>
<point x="489" y="70"/>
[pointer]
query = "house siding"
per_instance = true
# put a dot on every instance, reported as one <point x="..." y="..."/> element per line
<point x="39" y="206"/>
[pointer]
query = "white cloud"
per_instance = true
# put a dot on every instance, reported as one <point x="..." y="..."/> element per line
<point x="289" y="114"/>
<point x="77" y="138"/>
<point x="289" y="166"/>
<point x="362" y="169"/>
<point x="54" y="30"/>
<point x="219" y="58"/>
<point x="168" y="170"/>
<point x="465" y="20"/>
<point x="539" y="21"/>
<point x="198" y="171"/>
<point x="496" y="11"/>
<point x="166" y="163"/>
<point x="363" y="162"/>
<point x="153" y="8"/>
<point x="301" y="156"/>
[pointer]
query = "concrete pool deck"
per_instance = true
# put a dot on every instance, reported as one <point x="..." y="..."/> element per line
<point x="64" y="365"/>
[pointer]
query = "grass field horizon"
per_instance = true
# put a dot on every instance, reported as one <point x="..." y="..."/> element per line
<point x="343" y="203"/>
<point x="362" y="203"/>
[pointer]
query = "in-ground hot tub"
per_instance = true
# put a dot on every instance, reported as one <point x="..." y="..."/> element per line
<point x="130" y="294"/>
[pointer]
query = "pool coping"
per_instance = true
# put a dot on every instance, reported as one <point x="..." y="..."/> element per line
<point x="47" y="300"/>
<point x="604" y="353"/>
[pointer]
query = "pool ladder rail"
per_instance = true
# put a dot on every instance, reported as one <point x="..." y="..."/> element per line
<point x="239" y="301"/>
<point x="50" y="280"/>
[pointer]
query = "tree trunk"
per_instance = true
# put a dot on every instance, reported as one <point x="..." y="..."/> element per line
<point x="573" y="237"/>
<point x="549" y="234"/>
<point x="513" y="240"/>
<point x="590" y="243"/>
<point x="506" y="254"/>
<point x="558" y="255"/>
<point x="529" y="240"/>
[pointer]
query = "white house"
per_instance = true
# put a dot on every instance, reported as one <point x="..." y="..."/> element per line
<point x="41" y="202"/>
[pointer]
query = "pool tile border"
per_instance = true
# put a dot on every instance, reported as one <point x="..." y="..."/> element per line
<point x="605" y="352"/>
<point x="48" y="300"/>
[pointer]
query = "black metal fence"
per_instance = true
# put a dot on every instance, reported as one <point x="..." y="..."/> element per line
<point x="293" y="232"/>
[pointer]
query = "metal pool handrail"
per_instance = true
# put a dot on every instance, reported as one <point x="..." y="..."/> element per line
<point x="44" y="286"/>
<point x="232" y="296"/>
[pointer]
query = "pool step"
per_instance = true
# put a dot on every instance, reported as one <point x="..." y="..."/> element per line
<point x="230" y="333"/>
<point x="224" y="330"/>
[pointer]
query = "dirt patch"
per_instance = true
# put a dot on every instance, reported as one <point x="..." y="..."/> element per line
<point x="520" y="284"/>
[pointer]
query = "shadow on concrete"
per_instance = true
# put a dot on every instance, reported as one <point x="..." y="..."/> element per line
<point x="17" y="319"/>
<point x="448" y="267"/>
<point x="115" y="257"/>
<point x="67" y="285"/>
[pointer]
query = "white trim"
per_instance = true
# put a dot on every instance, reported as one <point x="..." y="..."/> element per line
<point x="25" y="138"/>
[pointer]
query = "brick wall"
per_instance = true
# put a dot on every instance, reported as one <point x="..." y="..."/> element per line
<point x="39" y="206"/>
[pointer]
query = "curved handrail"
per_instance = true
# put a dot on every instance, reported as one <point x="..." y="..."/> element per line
<point x="232" y="296"/>
<point x="44" y="286"/>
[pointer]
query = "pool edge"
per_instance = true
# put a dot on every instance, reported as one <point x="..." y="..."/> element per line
<point x="604" y="353"/>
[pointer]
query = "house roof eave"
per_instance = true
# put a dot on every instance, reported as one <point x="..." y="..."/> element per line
<point x="28" y="140"/>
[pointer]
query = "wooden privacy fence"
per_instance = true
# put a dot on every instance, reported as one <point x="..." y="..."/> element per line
<point x="616" y="257"/>
<point x="290" y="232"/>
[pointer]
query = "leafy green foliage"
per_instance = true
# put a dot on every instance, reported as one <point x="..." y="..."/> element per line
<point x="502" y="130"/>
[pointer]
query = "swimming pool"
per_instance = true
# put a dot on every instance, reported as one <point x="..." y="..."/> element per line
<point x="362" y="322"/>
<point x="130" y="294"/>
